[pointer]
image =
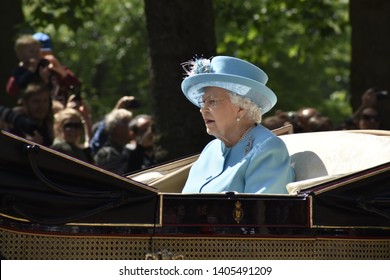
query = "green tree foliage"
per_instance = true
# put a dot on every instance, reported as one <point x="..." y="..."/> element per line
<point x="72" y="13"/>
<point x="107" y="49"/>
<point x="303" y="45"/>
<point x="112" y="54"/>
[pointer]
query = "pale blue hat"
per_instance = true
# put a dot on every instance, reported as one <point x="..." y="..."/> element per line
<point x="233" y="74"/>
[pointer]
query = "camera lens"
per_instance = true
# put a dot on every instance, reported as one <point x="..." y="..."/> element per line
<point x="133" y="104"/>
<point x="44" y="62"/>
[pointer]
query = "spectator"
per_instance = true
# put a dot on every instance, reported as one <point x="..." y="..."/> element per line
<point x="36" y="106"/>
<point x="366" y="116"/>
<point x="368" y="100"/>
<point x="69" y="127"/>
<point x="99" y="135"/>
<point x="281" y="119"/>
<point x="273" y="122"/>
<point x="64" y="82"/>
<point x="319" y="123"/>
<point x="347" y="124"/>
<point x="77" y="102"/>
<point x="34" y="67"/>
<point x="292" y="117"/>
<point x="13" y="119"/>
<point x="113" y="156"/>
<point x="303" y="117"/>
<point x="142" y="148"/>
<point x="31" y="67"/>
<point x="369" y="118"/>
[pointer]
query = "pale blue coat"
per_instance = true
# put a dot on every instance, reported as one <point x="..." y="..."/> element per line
<point x="259" y="163"/>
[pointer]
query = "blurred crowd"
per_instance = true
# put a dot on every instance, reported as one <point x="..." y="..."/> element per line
<point x="309" y="119"/>
<point x="49" y="110"/>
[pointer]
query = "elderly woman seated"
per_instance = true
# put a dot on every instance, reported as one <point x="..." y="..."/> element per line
<point x="245" y="157"/>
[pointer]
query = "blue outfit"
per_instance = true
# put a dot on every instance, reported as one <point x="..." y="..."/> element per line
<point x="259" y="163"/>
<point x="99" y="138"/>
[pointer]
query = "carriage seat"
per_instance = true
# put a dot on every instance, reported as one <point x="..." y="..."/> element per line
<point x="323" y="156"/>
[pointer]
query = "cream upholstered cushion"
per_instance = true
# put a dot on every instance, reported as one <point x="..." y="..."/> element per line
<point x="323" y="156"/>
<point x="169" y="177"/>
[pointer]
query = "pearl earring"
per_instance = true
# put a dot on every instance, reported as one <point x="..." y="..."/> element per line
<point x="238" y="119"/>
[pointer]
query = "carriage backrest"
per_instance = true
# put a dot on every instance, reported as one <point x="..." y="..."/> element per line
<point x="324" y="155"/>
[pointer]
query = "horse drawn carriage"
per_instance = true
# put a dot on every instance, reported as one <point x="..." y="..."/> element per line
<point x="57" y="207"/>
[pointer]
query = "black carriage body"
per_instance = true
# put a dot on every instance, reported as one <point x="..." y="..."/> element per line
<point x="55" y="199"/>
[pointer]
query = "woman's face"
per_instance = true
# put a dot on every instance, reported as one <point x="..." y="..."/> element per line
<point x="218" y="112"/>
<point x="72" y="129"/>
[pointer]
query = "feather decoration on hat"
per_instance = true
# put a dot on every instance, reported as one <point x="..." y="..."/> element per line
<point x="197" y="66"/>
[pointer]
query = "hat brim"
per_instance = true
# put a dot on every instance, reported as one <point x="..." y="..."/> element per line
<point x="261" y="95"/>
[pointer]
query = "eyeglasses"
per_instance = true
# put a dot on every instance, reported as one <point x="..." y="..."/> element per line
<point x="74" y="125"/>
<point x="371" y="118"/>
<point x="210" y="103"/>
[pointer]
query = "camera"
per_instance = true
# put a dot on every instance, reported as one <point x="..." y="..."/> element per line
<point x="132" y="104"/>
<point x="77" y="92"/>
<point x="18" y="121"/>
<point x="381" y="94"/>
<point x="43" y="63"/>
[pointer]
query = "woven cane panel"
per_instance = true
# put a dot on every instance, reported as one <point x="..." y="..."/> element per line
<point x="353" y="249"/>
<point x="238" y="248"/>
<point x="26" y="246"/>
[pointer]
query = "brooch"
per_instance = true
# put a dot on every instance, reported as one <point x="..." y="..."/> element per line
<point x="249" y="145"/>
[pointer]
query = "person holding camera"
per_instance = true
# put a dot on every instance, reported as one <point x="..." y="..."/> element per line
<point x="12" y="119"/>
<point x="113" y="155"/>
<point x="37" y="66"/>
<point x="64" y="81"/>
<point x="99" y="133"/>
<point x="31" y="67"/>
<point x="36" y="108"/>
<point x="141" y="148"/>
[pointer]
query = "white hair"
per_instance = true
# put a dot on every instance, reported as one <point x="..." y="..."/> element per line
<point x="117" y="117"/>
<point x="252" y="110"/>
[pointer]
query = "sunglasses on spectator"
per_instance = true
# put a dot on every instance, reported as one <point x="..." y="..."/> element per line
<point x="372" y="118"/>
<point x="75" y="125"/>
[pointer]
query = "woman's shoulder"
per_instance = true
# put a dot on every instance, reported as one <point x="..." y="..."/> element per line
<point x="265" y="138"/>
<point x="262" y="129"/>
<point x="262" y="134"/>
